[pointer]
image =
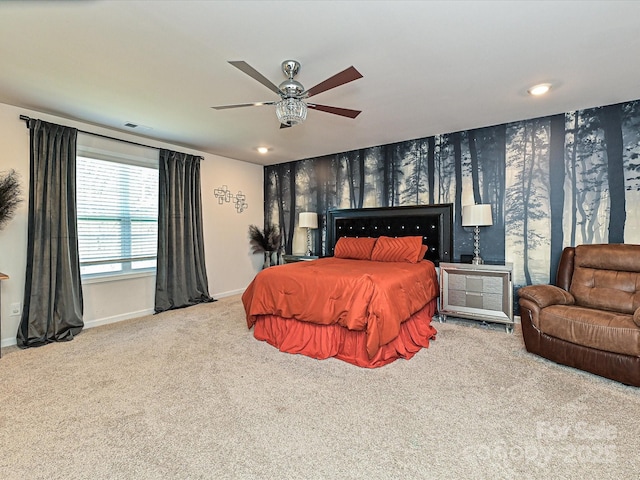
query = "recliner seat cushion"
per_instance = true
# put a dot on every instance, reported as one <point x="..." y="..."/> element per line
<point x="604" y="330"/>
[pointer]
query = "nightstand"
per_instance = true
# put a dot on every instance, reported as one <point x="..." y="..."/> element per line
<point x="298" y="258"/>
<point x="477" y="292"/>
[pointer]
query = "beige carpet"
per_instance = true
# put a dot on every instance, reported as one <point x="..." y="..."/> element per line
<point x="191" y="394"/>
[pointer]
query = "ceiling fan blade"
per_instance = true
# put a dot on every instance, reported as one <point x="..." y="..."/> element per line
<point x="238" y="105"/>
<point x="348" y="75"/>
<point x="256" y="75"/>
<point x="345" y="112"/>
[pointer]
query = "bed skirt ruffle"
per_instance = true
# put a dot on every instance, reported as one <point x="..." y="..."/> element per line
<point x="325" y="341"/>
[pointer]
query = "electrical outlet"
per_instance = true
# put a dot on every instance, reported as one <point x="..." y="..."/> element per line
<point x="15" y="308"/>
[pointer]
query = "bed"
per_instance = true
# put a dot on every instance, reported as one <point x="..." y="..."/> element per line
<point x="370" y="300"/>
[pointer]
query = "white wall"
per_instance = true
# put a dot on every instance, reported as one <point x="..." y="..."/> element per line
<point x="230" y="265"/>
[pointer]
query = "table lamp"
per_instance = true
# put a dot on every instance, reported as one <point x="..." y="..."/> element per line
<point x="308" y="220"/>
<point x="476" y="216"/>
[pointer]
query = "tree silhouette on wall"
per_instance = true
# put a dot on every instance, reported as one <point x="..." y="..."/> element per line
<point x="552" y="182"/>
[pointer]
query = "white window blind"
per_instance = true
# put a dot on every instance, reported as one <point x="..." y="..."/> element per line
<point x="117" y="201"/>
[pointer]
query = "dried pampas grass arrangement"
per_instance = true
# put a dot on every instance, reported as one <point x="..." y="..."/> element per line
<point x="9" y="196"/>
<point x="267" y="240"/>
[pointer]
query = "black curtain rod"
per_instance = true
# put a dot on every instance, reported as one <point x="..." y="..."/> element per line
<point x="26" y="119"/>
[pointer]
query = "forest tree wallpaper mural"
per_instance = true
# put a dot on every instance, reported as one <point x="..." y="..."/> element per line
<point x="552" y="182"/>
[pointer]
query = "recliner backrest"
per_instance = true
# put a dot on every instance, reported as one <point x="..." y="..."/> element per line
<point x="607" y="277"/>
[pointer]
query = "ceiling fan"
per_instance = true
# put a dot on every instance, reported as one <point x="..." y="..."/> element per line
<point x="291" y="109"/>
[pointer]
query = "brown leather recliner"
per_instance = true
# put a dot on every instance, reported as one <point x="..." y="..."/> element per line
<point x="591" y="318"/>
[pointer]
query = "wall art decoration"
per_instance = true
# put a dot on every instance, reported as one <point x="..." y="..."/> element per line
<point x="223" y="194"/>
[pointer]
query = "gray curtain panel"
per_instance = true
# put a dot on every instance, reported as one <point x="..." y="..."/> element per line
<point x="181" y="277"/>
<point x="53" y="291"/>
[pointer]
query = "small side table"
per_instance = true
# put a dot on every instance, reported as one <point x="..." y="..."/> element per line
<point x="298" y="258"/>
<point x="3" y="276"/>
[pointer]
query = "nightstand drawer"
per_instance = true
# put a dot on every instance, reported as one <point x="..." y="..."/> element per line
<point x="475" y="283"/>
<point x="486" y="301"/>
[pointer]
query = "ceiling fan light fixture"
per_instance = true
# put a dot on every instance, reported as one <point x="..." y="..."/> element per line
<point x="291" y="111"/>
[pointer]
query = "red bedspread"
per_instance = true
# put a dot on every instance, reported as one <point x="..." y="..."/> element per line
<point x="375" y="297"/>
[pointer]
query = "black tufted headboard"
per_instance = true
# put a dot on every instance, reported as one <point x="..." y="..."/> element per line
<point x="433" y="222"/>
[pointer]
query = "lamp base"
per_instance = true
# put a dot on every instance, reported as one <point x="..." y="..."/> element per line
<point x="476" y="247"/>
<point x="477" y="261"/>
<point x="309" y="253"/>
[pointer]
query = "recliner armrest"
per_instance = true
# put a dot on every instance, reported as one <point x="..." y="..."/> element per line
<point x="545" y="295"/>
<point x="636" y="316"/>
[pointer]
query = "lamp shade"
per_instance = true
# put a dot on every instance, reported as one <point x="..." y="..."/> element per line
<point x="308" y="220"/>
<point x="476" y="215"/>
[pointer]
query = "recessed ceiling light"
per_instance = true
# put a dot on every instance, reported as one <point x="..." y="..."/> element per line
<point x="262" y="150"/>
<point x="539" y="89"/>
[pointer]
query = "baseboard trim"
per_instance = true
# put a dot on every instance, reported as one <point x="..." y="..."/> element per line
<point x="230" y="293"/>
<point x="117" y="318"/>
<point x="8" y="342"/>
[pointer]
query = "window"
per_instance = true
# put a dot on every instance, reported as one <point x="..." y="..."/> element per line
<point x="117" y="201"/>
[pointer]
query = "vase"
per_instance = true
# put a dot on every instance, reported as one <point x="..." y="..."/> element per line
<point x="267" y="259"/>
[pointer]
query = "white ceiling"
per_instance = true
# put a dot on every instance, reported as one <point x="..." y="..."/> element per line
<point x="429" y="67"/>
